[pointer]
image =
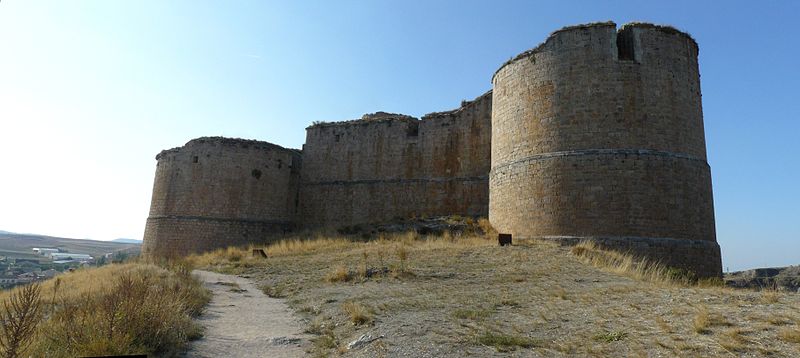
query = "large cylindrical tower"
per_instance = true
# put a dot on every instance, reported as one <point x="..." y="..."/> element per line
<point x="216" y="192"/>
<point x="598" y="134"/>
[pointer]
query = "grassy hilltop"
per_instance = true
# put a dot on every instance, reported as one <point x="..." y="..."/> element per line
<point x="462" y="295"/>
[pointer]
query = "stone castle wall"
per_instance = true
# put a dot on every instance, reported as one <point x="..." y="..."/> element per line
<point x="387" y="166"/>
<point x="598" y="134"/>
<point x="215" y="192"/>
<point x="595" y="134"/>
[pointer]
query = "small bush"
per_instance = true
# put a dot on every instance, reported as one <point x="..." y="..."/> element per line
<point x="357" y="313"/>
<point x="326" y="340"/>
<point x="339" y="274"/>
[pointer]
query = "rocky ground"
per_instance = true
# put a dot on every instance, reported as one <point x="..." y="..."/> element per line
<point x="777" y="278"/>
<point x="457" y="297"/>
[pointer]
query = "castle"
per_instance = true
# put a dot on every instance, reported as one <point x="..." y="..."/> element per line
<point x="596" y="134"/>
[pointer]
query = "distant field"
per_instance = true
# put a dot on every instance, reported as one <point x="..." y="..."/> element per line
<point x="18" y="254"/>
<point x="21" y="245"/>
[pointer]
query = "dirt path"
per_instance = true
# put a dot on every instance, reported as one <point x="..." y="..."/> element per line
<point x="241" y="321"/>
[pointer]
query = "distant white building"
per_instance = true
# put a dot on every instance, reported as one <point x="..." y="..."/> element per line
<point x="44" y="251"/>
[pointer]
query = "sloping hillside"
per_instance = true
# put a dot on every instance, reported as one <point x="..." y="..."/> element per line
<point x="465" y="296"/>
<point x="21" y="245"/>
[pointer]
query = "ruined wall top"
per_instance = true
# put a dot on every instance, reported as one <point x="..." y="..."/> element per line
<point x="384" y="117"/>
<point x="607" y="24"/>
<point x="457" y="111"/>
<point x="225" y="142"/>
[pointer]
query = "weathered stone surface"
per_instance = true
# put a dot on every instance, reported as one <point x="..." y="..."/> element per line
<point x="388" y="166"/>
<point x="215" y="192"/>
<point x="599" y="133"/>
<point x="596" y="134"/>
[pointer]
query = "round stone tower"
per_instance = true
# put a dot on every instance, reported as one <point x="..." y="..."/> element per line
<point x="597" y="134"/>
<point x="217" y="192"/>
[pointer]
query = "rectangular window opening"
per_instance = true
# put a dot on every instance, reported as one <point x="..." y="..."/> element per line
<point x="626" y="50"/>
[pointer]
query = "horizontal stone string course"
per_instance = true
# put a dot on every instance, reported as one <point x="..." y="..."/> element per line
<point x="573" y="153"/>
<point x="204" y="218"/>
<point x="595" y="134"/>
<point x="396" y="181"/>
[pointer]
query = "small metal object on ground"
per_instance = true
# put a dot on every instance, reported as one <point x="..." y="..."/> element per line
<point x="259" y="252"/>
<point x="504" y="239"/>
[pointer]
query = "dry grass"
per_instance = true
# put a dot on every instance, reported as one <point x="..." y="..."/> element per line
<point x="487" y="228"/>
<point x="778" y="320"/>
<point x="20" y="315"/>
<point x="339" y="274"/>
<point x="463" y="295"/>
<point x="473" y="314"/>
<point x="735" y="340"/>
<point x="357" y="313"/>
<point x="791" y="335"/>
<point x="118" y="309"/>
<point x="701" y="322"/>
<point x="770" y="296"/>
<point x="704" y="320"/>
<point x="504" y="342"/>
<point x="637" y="268"/>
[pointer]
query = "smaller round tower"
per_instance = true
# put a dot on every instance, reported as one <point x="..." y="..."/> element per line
<point x="217" y="192"/>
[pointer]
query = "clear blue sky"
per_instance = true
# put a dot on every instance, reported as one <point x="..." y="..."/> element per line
<point x="90" y="91"/>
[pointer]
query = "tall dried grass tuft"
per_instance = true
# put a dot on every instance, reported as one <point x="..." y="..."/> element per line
<point x="634" y="267"/>
<point x="20" y="314"/>
<point x="704" y="320"/>
<point x="116" y="309"/>
<point x="791" y="335"/>
<point x="339" y="274"/>
<point x="486" y="227"/>
<point x="357" y="313"/>
<point x="296" y="246"/>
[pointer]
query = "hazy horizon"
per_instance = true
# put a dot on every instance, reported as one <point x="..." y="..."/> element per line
<point x="91" y="91"/>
